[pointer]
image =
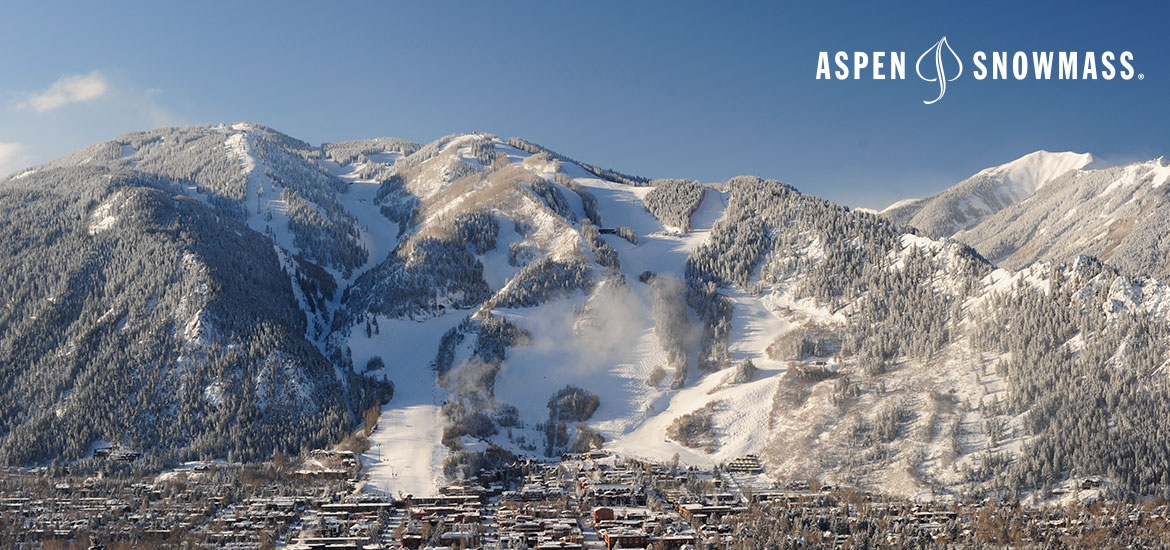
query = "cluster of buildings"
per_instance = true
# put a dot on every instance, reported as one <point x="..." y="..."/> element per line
<point x="252" y="520"/>
<point x="37" y="508"/>
<point x="583" y="502"/>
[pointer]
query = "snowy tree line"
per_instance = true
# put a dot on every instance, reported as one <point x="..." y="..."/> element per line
<point x="605" y="174"/>
<point x="479" y="229"/>
<point x="347" y="152"/>
<point x="522" y="253"/>
<point x="316" y="284"/>
<point x="543" y="280"/>
<point x="425" y="153"/>
<point x="903" y="315"/>
<point x="773" y="234"/>
<point x="568" y="409"/>
<point x="588" y="201"/>
<point x="696" y="429"/>
<point x="322" y="228"/>
<point x="603" y="253"/>
<point x="198" y="157"/>
<point x="396" y="203"/>
<point x="714" y="310"/>
<point x="572" y="404"/>
<point x="483" y="148"/>
<point x="331" y="244"/>
<point x="672" y="325"/>
<point x="424" y="276"/>
<point x="194" y="156"/>
<point x="673" y="202"/>
<point x="805" y="341"/>
<point x="553" y="198"/>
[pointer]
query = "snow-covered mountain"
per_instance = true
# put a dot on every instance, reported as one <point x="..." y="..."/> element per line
<point x="974" y="199"/>
<point x="523" y="303"/>
<point x="156" y="297"/>
<point x="1053" y="207"/>
<point x="1119" y="214"/>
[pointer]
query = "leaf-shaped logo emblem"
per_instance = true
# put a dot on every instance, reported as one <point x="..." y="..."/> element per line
<point x="940" y="73"/>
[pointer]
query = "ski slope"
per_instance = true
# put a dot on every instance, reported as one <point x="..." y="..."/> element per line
<point x="406" y="454"/>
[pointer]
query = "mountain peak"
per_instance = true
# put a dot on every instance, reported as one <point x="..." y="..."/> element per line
<point x="983" y="194"/>
<point x="1025" y="175"/>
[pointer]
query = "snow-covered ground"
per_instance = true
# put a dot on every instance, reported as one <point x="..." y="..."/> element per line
<point x="406" y="453"/>
<point x="405" y="457"/>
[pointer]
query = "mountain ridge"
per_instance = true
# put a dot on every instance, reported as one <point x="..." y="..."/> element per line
<point x="969" y="202"/>
<point x="1068" y="205"/>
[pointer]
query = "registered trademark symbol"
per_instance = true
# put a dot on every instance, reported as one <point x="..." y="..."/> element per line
<point x="1141" y="76"/>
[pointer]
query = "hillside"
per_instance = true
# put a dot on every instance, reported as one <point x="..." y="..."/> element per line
<point x="136" y="315"/>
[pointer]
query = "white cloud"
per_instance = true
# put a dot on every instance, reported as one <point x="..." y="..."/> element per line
<point x="12" y="157"/>
<point x="68" y="89"/>
<point x="52" y="122"/>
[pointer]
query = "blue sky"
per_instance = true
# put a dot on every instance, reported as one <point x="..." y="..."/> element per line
<point x="704" y="90"/>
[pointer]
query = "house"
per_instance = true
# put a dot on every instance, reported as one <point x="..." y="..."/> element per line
<point x="674" y="541"/>
<point x="625" y="538"/>
<point x="558" y="545"/>
<point x="746" y="464"/>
